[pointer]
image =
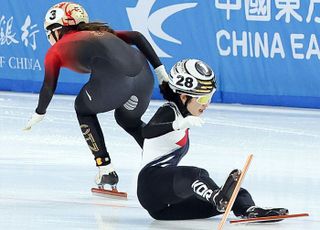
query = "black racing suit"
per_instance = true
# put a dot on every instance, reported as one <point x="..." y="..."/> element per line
<point x="167" y="190"/>
<point x="120" y="80"/>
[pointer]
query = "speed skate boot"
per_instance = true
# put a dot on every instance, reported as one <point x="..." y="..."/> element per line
<point x="223" y="195"/>
<point x="254" y="212"/>
<point x="108" y="176"/>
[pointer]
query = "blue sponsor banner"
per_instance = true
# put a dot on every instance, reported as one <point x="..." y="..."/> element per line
<point x="263" y="52"/>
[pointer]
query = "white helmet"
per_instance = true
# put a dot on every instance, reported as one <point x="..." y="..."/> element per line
<point x="63" y="14"/>
<point x="192" y="77"/>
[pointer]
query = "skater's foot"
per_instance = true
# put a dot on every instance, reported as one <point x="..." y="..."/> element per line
<point x="107" y="175"/>
<point x="223" y="195"/>
<point x="255" y="211"/>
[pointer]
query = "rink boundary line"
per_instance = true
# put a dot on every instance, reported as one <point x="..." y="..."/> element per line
<point x="208" y="121"/>
<point x="67" y="202"/>
<point x="35" y="95"/>
<point x="32" y="109"/>
<point x="214" y="106"/>
<point x="222" y="123"/>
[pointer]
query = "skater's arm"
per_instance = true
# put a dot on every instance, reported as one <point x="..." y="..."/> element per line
<point x="52" y="69"/>
<point x="137" y="39"/>
<point x="160" y="123"/>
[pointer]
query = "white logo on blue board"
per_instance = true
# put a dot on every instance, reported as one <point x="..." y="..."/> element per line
<point x="145" y="22"/>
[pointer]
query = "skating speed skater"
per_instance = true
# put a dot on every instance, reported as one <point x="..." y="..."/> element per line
<point x="120" y="77"/>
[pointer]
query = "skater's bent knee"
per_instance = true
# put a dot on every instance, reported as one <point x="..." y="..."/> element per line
<point x="202" y="172"/>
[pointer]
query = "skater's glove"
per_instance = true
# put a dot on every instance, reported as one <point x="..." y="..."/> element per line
<point x="187" y="122"/>
<point x="35" y="118"/>
<point x="161" y="74"/>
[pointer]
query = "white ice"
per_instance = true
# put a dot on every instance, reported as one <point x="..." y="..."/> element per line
<point x="46" y="173"/>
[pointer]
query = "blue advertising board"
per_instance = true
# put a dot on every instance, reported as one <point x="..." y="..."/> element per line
<point x="262" y="51"/>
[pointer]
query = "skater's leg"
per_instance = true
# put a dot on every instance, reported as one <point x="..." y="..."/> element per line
<point x="242" y="202"/>
<point x="183" y="182"/>
<point x="172" y="192"/>
<point x="189" y="181"/>
<point x="87" y="117"/>
<point x="128" y="116"/>
<point x="187" y="209"/>
<point x="244" y="206"/>
<point x="131" y="123"/>
<point x="223" y="195"/>
<point x="93" y="135"/>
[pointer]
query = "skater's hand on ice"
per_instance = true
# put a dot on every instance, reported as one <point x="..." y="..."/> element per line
<point x="35" y="118"/>
<point x="161" y="74"/>
<point x="187" y="122"/>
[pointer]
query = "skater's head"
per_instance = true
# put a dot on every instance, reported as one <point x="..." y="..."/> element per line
<point x="68" y="16"/>
<point x="61" y="17"/>
<point x="191" y="86"/>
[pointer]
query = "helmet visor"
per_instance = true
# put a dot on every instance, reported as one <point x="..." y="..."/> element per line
<point x="205" y="99"/>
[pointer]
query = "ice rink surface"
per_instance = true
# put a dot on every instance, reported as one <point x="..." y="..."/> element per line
<point x="46" y="173"/>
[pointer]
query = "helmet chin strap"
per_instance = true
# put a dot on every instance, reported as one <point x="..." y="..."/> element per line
<point x="55" y="34"/>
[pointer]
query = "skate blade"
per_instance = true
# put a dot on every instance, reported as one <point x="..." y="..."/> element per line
<point x="268" y="218"/>
<point x="113" y="194"/>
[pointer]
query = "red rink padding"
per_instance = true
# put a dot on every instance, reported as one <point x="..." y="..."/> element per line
<point x="268" y="218"/>
<point x="114" y="194"/>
